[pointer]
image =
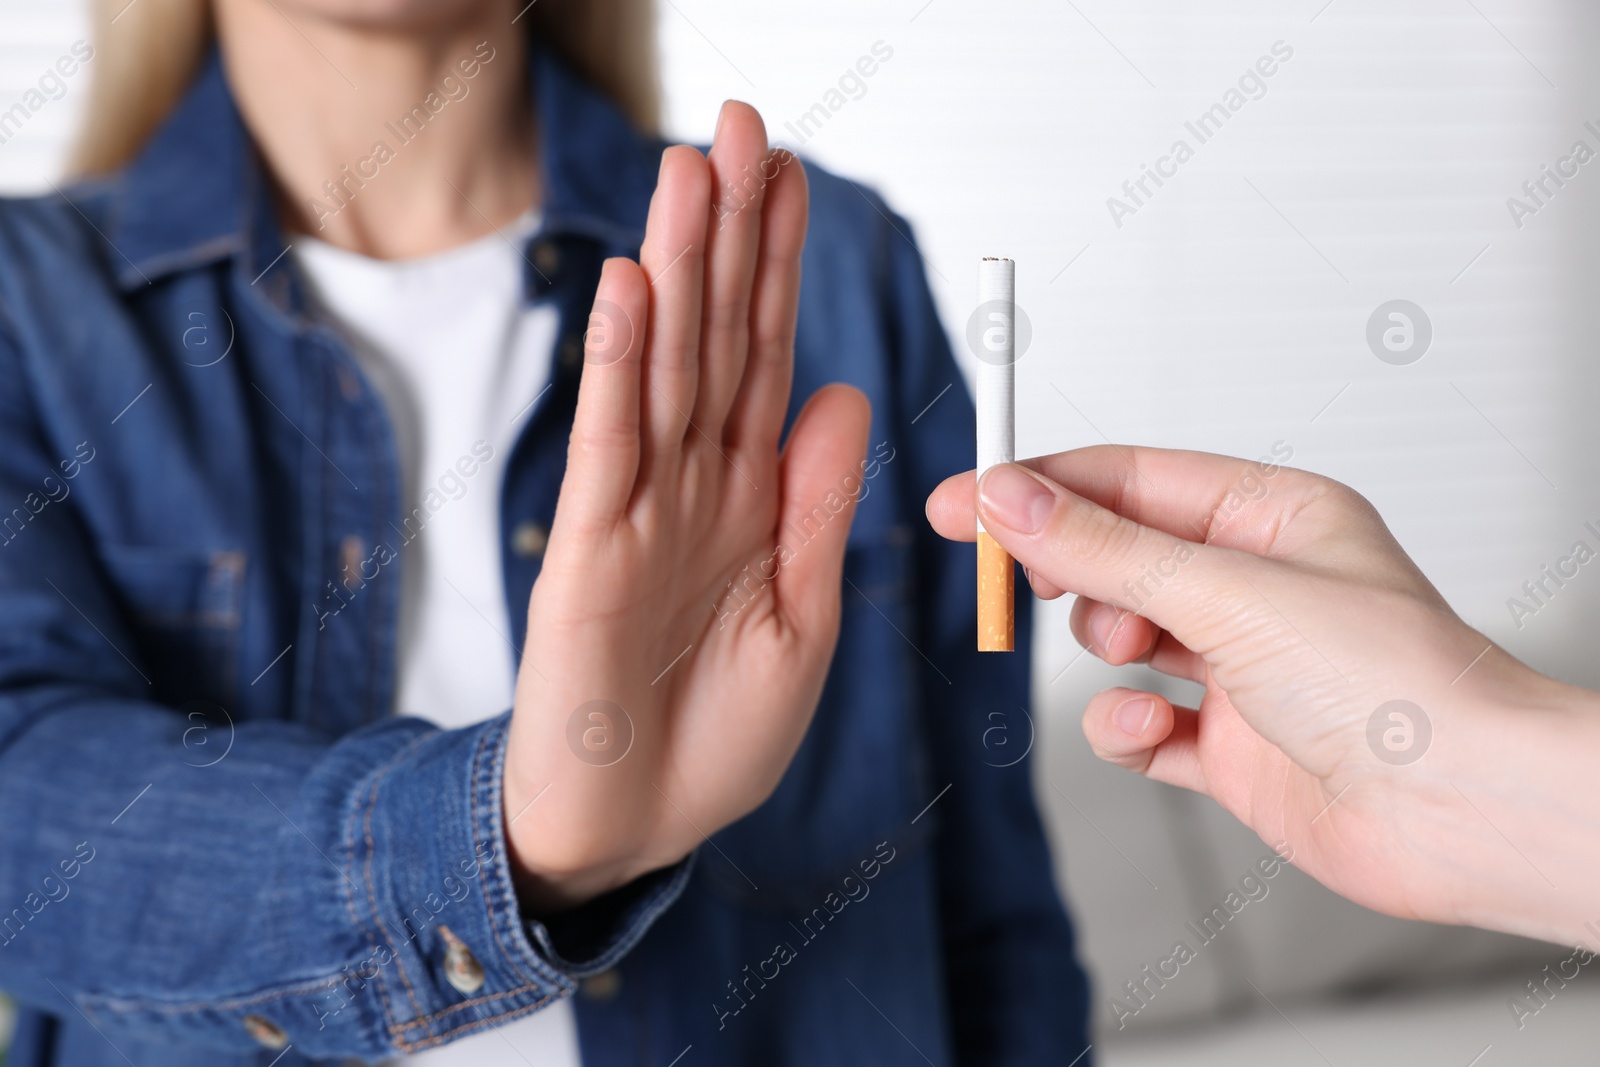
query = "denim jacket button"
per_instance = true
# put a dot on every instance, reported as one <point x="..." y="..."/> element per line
<point x="602" y="986"/>
<point x="461" y="968"/>
<point x="266" y="1032"/>
<point x="547" y="257"/>
<point x="351" y="551"/>
<point x="349" y="384"/>
<point x="572" y="353"/>
<point x="528" y="539"/>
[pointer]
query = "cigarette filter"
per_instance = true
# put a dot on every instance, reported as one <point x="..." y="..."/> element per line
<point x="996" y="444"/>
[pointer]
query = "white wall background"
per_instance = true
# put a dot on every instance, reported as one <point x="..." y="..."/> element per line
<point x="1227" y="314"/>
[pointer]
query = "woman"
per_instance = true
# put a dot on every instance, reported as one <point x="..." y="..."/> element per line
<point x="309" y="423"/>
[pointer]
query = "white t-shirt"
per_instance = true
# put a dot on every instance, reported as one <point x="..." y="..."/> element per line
<point x="458" y="360"/>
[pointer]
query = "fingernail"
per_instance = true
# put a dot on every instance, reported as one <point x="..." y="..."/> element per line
<point x="1014" y="499"/>
<point x="1133" y="716"/>
<point x="722" y="116"/>
<point x="1103" y="626"/>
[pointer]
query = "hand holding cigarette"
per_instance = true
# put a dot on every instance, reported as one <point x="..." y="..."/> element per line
<point x="1345" y="711"/>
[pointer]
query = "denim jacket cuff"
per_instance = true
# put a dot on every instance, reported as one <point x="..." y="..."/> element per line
<point x="438" y="891"/>
<point x="595" y="936"/>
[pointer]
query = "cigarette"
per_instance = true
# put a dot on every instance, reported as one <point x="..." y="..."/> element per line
<point x="996" y="444"/>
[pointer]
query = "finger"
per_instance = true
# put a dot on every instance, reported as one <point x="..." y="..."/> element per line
<point x="820" y="487"/>
<point x="1254" y="506"/>
<point x="1146" y="734"/>
<point x="952" y="507"/>
<point x="673" y="258"/>
<point x="1194" y="495"/>
<point x="1116" y="636"/>
<point x="756" y="421"/>
<point x="1093" y="551"/>
<point x="1042" y="587"/>
<point x="603" y="451"/>
<point x="733" y="243"/>
<point x="1172" y="657"/>
<point x="951" y="511"/>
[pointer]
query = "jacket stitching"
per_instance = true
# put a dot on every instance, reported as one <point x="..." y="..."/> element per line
<point x="475" y="1025"/>
<point x="128" y="1004"/>
<point x="350" y="903"/>
<point x="372" y="902"/>
<point x="492" y="905"/>
<point x="423" y="1020"/>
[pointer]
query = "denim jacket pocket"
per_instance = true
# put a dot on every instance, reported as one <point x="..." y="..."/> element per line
<point x="183" y="608"/>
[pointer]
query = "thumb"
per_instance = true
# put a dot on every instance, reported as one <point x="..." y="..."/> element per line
<point x="822" y="482"/>
<point x="1084" y="548"/>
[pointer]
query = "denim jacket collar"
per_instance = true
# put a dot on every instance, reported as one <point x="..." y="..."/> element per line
<point x="198" y="191"/>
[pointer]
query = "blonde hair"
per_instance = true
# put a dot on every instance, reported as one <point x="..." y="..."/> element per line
<point x="143" y="65"/>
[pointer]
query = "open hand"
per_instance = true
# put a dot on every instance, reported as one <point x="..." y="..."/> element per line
<point x="655" y="702"/>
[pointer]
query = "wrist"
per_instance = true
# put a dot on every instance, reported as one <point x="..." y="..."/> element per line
<point x="554" y="865"/>
<point x="1519" y="847"/>
<point x="544" y="891"/>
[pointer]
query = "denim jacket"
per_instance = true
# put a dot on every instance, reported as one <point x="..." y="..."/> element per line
<point x="220" y="846"/>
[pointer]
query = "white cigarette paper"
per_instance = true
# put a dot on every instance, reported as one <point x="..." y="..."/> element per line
<point x="996" y="442"/>
<point x="996" y="376"/>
